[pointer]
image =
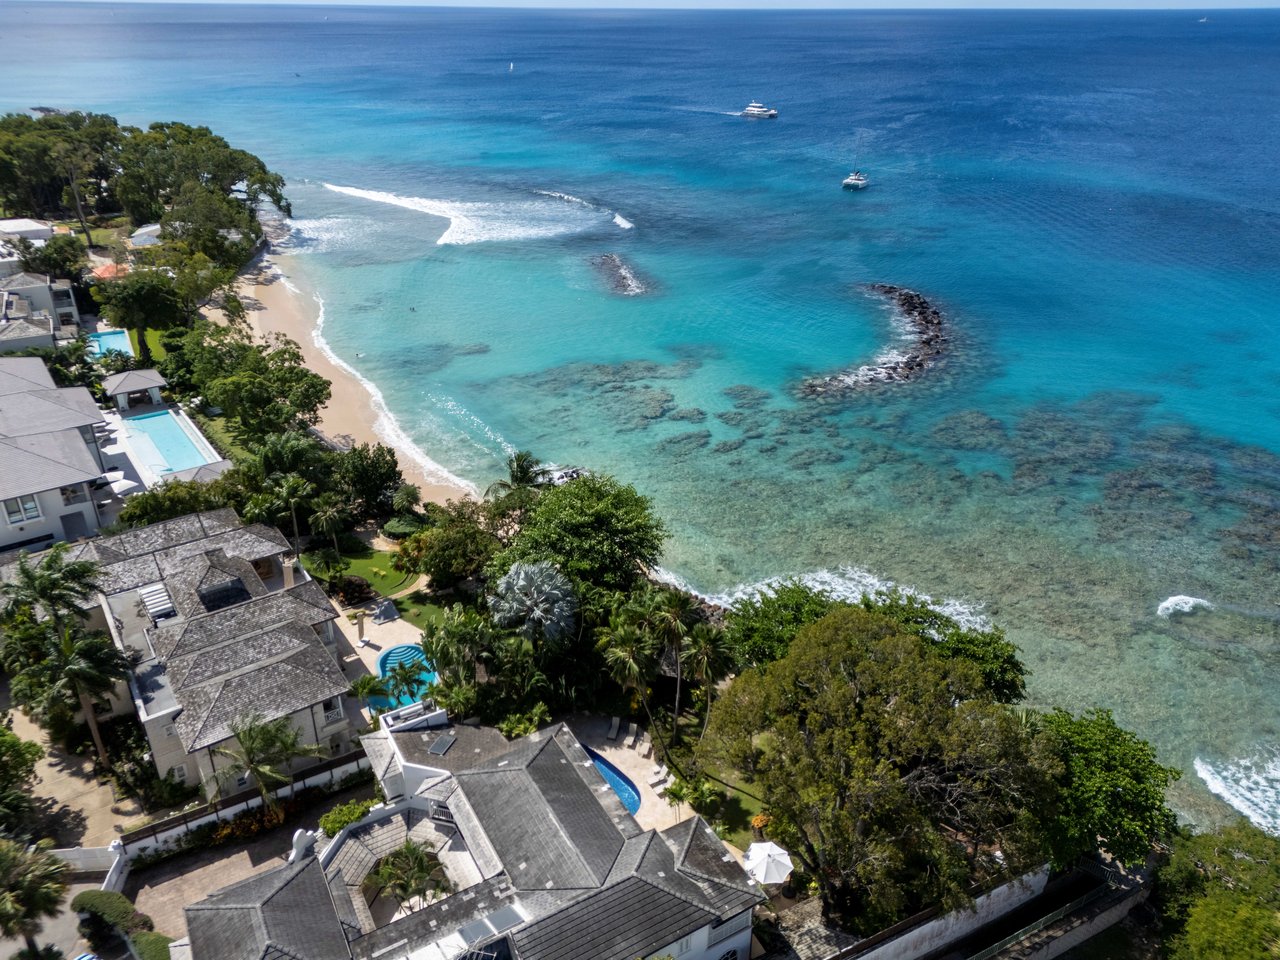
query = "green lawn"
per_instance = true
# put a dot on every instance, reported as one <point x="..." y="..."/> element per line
<point x="738" y="810"/>
<point x="153" y="341"/>
<point x="372" y="565"/>
<point x="221" y="435"/>
<point x="418" y="609"/>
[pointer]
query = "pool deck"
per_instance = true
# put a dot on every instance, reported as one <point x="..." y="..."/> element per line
<point x="654" y="813"/>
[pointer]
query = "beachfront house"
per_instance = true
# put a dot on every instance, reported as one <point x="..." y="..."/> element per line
<point x="218" y="624"/>
<point x="542" y="859"/>
<point x="44" y="294"/>
<point x="49" y="457"/>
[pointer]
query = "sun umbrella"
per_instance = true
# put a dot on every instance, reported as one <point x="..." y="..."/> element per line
<point x="122" y="486"/>
<point x="111" y="476"/>
<point x="768" y="863"/>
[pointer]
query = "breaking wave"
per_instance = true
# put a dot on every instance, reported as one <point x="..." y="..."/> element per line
<point x="1251" y="786"/>
<point x="1181" y="604"/>
<point x="843" y="583"/>
<point x="489" y="221"/>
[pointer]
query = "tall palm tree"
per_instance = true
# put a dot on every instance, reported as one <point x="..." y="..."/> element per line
<point x="329" y="515"/>
<point x="630" y="656"/>
<point x="405" y="679"/>
<point x="292" y="491"/>
<point x="278" y="454"/>
<point x="53" y="587"/>
<point x="366" y="686"/>
<point x="411" y="871"/>
<point x="261" y="750"/>
<point x="263" y="507"/>
<point x="707" y="657"/>
<point x="79" y="667"/>
<point x="32" y="887"/>
<point x="524" y="472"/>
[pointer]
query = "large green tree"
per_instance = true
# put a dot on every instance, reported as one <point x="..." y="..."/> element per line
<point x="891" y="772"/>
<point x="33" y="884"/>
<point x="370" y="477"/>
<point x="268" y="388"/>
<point x="61" y="256"/>
<point x="140" y="301"/>
<point x="1110" y="792"/>
<point x="18" y="760"/>
<point x="593" y="528"/>
<point x="455" y="549"/>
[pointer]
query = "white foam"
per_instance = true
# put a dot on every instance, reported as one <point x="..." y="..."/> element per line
<point x="385" y="425"/>
<point x="622" y="222"/>
<point x="324" y="234"/>
<point x="489" y="221"/>
<point x="1181" y="604"/>
<point x="1251" y="786"/>
<point x="844" y="583"/>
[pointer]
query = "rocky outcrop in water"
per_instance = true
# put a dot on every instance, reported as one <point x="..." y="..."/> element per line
<point x="921" y="344"/>
<point x="622" y="279"/>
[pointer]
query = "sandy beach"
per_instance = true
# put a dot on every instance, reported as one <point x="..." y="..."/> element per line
<point x="351" y="414"/>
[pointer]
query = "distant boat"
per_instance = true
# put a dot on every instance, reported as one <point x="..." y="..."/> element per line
<point x="759" y="111"/>
<point x="856" y="180"/>
<point x="511" y="67"/>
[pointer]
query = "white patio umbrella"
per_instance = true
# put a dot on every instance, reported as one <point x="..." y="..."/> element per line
<point x="767" y="863"/>
<point x="111" y="476"/>
<point x="123" y="486"/>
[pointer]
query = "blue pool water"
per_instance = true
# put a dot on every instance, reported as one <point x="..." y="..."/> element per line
<point x="105" y="340"/>
<point x="621" y="783"/>
<point x="405" y="653"/>
<point x="164" y="445"/>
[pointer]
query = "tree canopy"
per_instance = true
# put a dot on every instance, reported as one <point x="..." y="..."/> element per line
<point x="593" y="528"/>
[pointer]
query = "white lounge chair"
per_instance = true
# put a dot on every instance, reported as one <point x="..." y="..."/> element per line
<point x="632" y="732"/>
<point x="613" y="728"/>
<point x="659" y="774"/>
<point x="645" y="746"/>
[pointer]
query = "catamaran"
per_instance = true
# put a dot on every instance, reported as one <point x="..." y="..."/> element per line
<point x="755" y="109"/>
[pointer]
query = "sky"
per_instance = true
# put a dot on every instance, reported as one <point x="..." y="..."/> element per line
<point x="1203" y="5"/>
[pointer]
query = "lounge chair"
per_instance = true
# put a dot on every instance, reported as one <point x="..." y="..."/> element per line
<point x="659" y="774"/>
<point x="645" y="746"/>
<point x="632" y="732"/>
<point x="613" y="728"/>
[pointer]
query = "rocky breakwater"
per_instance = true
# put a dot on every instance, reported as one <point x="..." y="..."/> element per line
<point x="622" y="279"/>
<point x="921" y="343"/>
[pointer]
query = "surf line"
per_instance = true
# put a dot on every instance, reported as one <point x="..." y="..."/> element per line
<point x="922" y="343"/>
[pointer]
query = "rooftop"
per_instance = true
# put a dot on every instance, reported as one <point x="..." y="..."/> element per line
<point x="41" y="444"/>
<point x="129" y="381"/>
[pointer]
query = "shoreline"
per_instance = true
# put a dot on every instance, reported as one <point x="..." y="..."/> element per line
<point x="353" y="414"/>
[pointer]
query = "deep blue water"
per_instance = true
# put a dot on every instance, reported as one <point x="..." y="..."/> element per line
<point x="618" y="781"/>
<point x="1092" y="198"/>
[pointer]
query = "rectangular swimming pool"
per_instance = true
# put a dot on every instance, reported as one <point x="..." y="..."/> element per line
<point x="104" y="340"/>
<point x="167" y="442"/>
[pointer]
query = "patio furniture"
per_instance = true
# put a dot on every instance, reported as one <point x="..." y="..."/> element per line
<point x="659" y="774"/>
<point x="645" y="746"/>
<point x="613" y="728"/>
<point x="632" y="732"/>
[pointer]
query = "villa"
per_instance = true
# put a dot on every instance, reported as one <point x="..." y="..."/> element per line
<point x="218" y="625"/>
<point x="44" y="294"/>
<point x="543" y="862"/>
<point x="49" y="457"/>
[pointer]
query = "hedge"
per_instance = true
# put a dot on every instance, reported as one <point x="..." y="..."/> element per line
<point x="345" y="814"/>
<point x="152" y="946"/>
<point x="113" y="908"/>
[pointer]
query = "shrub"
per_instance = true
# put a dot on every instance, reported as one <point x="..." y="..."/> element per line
<point x="351" y="590"/>
<point x="522" y="724"/>
<point x="397" y="528"/>
<point x="345" y="814"/>
<point x="152" y="946"/>
<point x="114" y="908"/>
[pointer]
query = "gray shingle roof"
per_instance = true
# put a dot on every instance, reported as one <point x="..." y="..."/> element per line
<point x="24" y="329"/>
<point x="18" y="281"/>
<point x="19" y="374"/>
<point x="286" y="912"/>
<point x="33" y="464"/>
<point x="41" y="447"/>
<point x="302" y="603"/>
<point x="127" y="381"/>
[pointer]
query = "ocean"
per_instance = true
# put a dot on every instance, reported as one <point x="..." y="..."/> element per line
<point x="1092" y="199"/>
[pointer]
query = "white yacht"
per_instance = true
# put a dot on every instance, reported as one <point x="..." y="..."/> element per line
<point x="856" y="180"/>
<point x="755" y="109"/>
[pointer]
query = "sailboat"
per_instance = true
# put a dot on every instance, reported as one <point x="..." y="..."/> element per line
<point x="856" y="180"/>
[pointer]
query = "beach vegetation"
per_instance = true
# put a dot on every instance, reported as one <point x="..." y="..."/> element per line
<point x="171" y="499"/>
<point x="593" y="528"/>
<point x="369" y="474"/>
<point x="1218" y="895"/>
<point x="140" y="301"/>
<point x="455" y="549"/>
<point x="759" y="628"/>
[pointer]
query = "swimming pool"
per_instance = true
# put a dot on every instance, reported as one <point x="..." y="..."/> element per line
<point x="104" y="340"/>
<point x="166" y="442"/>
<point x="622" y="785"/>
<point x="405" y="653"/>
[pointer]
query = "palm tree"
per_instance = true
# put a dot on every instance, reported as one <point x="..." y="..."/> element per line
<point x="32" y="887"/>
<point x="672" y="611"/>
<point x="411" y="871"/>
<point x="278" y="454"/>
<point x="262" y="747"/>
<point x="54" y="587"/>
<point x="707" y="657"/>
<point x="524" y="472"/>
<point x="329" y="565"/>
<point x="536" y="599"/>
<point x="630" y="656"/>
<point x="405" y="679"/>
<point x="263" y="507"/>
<point x="329" y="516"/>
<point x="292" y="491"/>
<point x="366" y="686"/>
<point x="82" y="667"/>
<point x="406" y="499"/>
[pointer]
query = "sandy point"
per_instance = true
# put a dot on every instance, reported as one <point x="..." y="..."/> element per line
<point x="350" y="416"/>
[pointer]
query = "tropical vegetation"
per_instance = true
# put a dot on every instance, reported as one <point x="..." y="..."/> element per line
<point x="263" y="751"/>
<point x="33" y="884"/>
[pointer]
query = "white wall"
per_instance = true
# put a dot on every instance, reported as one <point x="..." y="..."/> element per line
<point x="49" y="523"/>
<point x="712" y="944"/>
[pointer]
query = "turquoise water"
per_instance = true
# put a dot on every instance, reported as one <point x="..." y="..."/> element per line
<point x="405" y="653"/>
<point x="617" y="780"/>
<point x="100" y="343"/>
<point x="164" y="445"/>
<point x="1092" y="198"/>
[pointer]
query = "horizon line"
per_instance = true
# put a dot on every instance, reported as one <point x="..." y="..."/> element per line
<point x="730" y="6"/>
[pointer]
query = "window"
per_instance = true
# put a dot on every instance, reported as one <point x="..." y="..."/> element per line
<point x="684" y="946"/>
<point x="729" y="955"/>
<point x="242" y="781"/>
<point x="170" y="730"/>
<point x="72" y="495"/>
<point x="332" y="710"/>
<point x="179" y="772"/>
<point x="23" y="508"/>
